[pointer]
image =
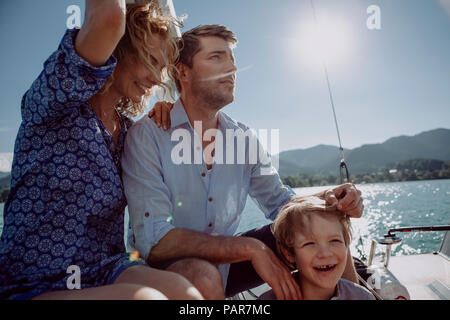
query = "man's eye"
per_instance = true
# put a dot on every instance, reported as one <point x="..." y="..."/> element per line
<point x="215" y="57"/>
<point x="337" y="240"/>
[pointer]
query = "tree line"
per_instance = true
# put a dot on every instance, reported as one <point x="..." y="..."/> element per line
<point x="410" y="170"/>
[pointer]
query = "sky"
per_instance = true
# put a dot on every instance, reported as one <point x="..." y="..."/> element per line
<point x="388" y="81"/>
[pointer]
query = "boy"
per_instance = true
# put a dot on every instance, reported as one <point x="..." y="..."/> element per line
<point x="314" y="238"/>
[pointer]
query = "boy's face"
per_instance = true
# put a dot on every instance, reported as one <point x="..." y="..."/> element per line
<point x="321" y="254"/>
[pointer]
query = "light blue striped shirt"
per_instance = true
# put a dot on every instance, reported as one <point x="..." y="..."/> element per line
<point x="163" y="194"/>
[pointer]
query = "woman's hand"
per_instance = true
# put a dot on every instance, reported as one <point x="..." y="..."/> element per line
<point x="161" y="114"/>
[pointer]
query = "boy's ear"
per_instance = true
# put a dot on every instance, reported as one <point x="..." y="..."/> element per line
<point x="288" y="256"/>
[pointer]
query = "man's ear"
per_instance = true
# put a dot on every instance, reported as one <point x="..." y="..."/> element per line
<point x="181" y="71"/>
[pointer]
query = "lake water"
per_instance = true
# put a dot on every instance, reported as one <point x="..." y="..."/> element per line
<point x="387" y="205"/>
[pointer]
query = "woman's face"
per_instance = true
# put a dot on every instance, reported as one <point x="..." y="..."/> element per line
<point x="132" y="79"/>
<point x="321" y="255"/>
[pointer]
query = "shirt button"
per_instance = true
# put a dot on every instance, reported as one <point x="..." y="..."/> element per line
<point x="210" y="224"/>
<point x="210" y="199"/>
<point x="203" y="174"/>
<point x="147" y="214"/>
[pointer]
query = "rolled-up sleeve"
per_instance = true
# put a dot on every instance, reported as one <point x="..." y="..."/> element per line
<point x="66" y="81"/>
<point x="148" y="197"/>
<point x="266" y="187"/>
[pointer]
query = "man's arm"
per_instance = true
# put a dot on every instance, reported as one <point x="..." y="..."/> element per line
<point x="350" y="271"/>
<point x="180" y="242"/>
<point x="270" y="194"/>
<point x="157" y="239"/>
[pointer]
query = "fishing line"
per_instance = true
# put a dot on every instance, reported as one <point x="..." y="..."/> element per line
<point x="343" y="166"/>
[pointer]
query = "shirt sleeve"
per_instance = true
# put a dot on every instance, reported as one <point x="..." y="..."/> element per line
<point x="148" y="197"/>
<point x="66" y="81"/>
<point x="266" y="187"/>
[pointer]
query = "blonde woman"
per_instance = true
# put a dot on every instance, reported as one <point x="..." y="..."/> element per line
<point x="65" y="212"/>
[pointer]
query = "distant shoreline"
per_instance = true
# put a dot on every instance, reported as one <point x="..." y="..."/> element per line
<point x="323" y="181"/>
<point x="411" y="170"/>
<point x="2" y="200"/>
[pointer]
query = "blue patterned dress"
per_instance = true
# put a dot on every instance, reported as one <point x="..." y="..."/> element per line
<point x="66" y="205"/>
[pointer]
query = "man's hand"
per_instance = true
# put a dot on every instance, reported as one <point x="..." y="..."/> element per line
<point x="274" y="272"/>
<point x="347" y="198"/>
<point x="161" y="113"/>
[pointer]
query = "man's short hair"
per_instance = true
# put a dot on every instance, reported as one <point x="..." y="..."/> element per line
<point x="189" y="44"/>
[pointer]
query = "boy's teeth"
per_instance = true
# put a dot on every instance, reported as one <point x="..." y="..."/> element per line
<point x="328" y="266"/>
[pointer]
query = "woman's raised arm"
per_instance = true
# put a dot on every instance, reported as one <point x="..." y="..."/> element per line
<point x="103" y="27"/>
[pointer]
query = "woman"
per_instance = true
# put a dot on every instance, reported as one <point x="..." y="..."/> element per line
<point x="66" y="205"/>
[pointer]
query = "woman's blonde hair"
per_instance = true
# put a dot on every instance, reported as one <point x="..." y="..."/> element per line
<point x="145" y="22"/>
<point x="296" y="216"/>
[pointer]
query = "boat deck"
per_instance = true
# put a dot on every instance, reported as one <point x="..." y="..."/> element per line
<point x="426" y="276"/>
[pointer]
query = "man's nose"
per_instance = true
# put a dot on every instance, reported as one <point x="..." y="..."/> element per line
<point x="232" y="66"/>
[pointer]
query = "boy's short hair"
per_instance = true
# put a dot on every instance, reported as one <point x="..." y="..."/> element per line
<point x="295" y="217"/>
<point x="189" y="44"/>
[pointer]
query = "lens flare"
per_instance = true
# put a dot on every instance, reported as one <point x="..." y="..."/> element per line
<point x="134" y="255"/>
<point x="224" y="75"/>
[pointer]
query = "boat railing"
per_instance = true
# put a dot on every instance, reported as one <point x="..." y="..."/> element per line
<point x="390" y="238"/>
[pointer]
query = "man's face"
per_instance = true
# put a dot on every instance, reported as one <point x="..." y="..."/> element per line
<point x="213" y="73"/>
<point x="321" y="255"/>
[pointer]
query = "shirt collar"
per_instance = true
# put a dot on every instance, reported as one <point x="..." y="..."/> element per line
<point x="178" y="116"/>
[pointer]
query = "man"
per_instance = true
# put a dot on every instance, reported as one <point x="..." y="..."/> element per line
<point x="184" y="213"/>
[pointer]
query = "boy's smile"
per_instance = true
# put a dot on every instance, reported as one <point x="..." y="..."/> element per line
<point x="321" y="255"/>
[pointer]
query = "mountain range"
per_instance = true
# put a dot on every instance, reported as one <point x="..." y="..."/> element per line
<point x="323" y="160"/>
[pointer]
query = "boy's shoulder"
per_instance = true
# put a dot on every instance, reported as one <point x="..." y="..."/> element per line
<point x="347" y="290"/>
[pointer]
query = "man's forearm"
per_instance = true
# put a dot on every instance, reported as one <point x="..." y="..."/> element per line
<point x="350" y="270"/>
<point x="180" y="242"/>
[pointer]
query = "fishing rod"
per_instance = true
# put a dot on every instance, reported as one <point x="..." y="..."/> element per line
<point x="345" y="177"/>
<point x="417" y="229"/>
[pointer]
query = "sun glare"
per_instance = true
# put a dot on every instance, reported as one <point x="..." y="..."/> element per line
<point x="328" y="40"/>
